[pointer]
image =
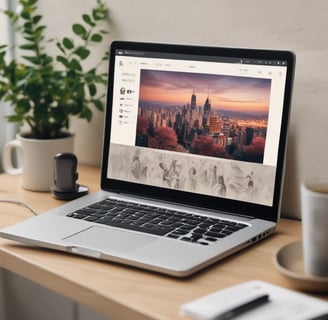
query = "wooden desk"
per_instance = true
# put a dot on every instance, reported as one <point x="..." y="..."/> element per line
<point x="121" y="292"/>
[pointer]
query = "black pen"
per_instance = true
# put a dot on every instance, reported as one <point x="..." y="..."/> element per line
<point x="321" y="317"/>
<point x="242" y="308"/>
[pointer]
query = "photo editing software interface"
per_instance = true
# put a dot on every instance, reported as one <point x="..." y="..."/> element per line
<point x="207" y="125"/>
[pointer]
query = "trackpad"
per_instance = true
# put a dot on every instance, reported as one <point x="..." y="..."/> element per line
<point x="109" y="240"/>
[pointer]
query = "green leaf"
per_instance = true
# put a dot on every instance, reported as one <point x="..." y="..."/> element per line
<point x="79" y="30"/>
<point x="27" y="47"/>
<point x="68" y="43"/>
<point x="74" y="64"/>
<point x="99" y="14"/>
<point x="98" y="104"/>
<point x="86" y="113"/>
<point x="87" y="19"/>
<point x="22" y="106"/>
<point x="63" y="60"/>
<point x="47" y="60"/>
<point x="38" y="35"/>
<point x="10" y="14"/>
<point x="92" y="89"/>
<point x="34" y="60"/>
<point x="29" y="38"/>
<point x="60" y="47"/>
<point x="25" y="15"/>
<point x="39" y="30"/>
<point x="96" y="37"/>
<point x="28" y="28"/>
<point x="95" y="14"/>
<point x="105" y="56"/>
<point x="15" y="118"/>
<point x="36" y="19"/>
<point x="82" y="52"/>
<point x="90" y="75"/>
<point x="32" y="2"/>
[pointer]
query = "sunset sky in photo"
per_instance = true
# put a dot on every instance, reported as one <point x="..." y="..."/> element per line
<point x="225" y="92"/>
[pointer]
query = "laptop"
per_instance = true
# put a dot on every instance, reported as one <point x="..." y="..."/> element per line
<point x="193" y="159"/>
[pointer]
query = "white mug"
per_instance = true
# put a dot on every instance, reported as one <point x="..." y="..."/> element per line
<point x="314" y="204"/>
<point x="37" y="159"/>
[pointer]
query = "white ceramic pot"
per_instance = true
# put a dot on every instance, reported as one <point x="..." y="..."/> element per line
<point x="37" y="159"/>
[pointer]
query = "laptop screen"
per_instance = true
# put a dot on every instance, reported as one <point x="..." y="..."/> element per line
<point x="205" y="122"/>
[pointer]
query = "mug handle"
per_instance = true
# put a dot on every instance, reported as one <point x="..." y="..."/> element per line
<point x="7" y="157"/>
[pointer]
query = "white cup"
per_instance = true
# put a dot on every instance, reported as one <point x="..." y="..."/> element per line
<point x="314" y="203"/>
<point x="36" y="165"/>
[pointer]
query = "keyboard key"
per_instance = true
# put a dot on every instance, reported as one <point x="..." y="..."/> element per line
<point x="173" y="235"/>
<point x="199" y="231"/>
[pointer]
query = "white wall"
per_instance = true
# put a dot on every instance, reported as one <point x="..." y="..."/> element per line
<point x="297" y="25"/>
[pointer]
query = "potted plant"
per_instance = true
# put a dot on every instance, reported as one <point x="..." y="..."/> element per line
<point x="46" y="90"/>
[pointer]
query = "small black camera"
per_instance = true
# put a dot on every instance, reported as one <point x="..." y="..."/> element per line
<point x="65" y="177"/>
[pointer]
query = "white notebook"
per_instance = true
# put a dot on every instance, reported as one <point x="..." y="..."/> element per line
<point x="282" y="304"/>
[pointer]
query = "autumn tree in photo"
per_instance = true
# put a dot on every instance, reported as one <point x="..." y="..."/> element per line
<point x="206" y="146"/>
<point x="255" y="151"/>
<point x="163" y="138"/>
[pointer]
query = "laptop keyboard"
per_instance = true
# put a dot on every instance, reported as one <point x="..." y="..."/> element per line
<point x="158" y="221"/>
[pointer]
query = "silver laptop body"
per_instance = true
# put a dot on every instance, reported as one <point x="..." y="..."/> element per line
<point x="193" y="134"/>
